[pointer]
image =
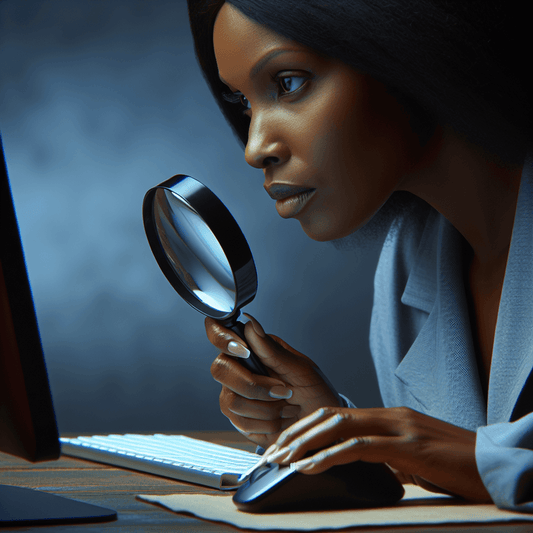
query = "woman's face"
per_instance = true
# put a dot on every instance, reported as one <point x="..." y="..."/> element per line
<point x="316" y="124"/>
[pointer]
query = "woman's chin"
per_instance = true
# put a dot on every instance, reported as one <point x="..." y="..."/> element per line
<point x="320" y="232"/>
<point x="323" y="229"/>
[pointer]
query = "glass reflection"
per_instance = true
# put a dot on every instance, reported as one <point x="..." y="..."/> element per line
<point x="193" y="252"/>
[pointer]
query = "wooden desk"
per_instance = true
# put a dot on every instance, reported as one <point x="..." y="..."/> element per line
<point x="116" y="489"/>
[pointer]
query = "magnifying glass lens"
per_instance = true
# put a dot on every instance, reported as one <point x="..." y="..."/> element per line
<point x="193" y="252"/>
<point x="202" y="252"/>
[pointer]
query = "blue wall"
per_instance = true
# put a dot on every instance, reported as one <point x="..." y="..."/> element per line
<point x="99" y="101"/>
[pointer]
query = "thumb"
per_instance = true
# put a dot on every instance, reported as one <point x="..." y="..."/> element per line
<point x="310" y="386"/>
<point x="277" y="356"/>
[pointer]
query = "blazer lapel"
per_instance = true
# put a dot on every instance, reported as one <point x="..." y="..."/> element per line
<point x="440" y="368"/>
<point x="512" y="356"/>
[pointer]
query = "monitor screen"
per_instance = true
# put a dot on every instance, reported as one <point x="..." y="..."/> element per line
<point x="28" y="427"/>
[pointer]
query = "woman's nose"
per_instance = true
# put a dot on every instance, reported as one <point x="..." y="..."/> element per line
<point x="264" y="147"/>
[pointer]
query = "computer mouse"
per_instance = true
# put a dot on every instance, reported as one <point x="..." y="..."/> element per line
<point x="275" y="488"/>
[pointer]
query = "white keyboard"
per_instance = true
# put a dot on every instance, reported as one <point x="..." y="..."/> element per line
<point x="173" y="456"/>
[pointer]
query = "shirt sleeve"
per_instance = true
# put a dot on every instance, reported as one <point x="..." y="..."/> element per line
<point x="504" y="457"/>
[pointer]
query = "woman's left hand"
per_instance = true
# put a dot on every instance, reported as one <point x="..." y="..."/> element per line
<point x="432" y="453"/>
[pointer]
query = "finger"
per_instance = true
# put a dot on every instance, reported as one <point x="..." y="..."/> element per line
<point x="225" y="340"/>
<point x="257" y="438"/>
<point x="265" y="441"/>
<point x="240" y="380"/>
<point x="339" y="454"/>
<point x="291" y="411"/>
<point x="343" y="424"/>
<point x="280" y="448"/>
<point x="302" y="426"/>
<point x="264" y="427"/>
<point x="321" y="435"/>
<point x="368" y="449"/>
<point x="359" y="422"/>
<point x="278" y="357"/>
<point x="425" y="484"/>
<point x="256" y="429"/>
<point x="403" y="478"/>
<point x="241" y="431"/>
<point x="255" y="418"/>
<point x="258" y="409"/>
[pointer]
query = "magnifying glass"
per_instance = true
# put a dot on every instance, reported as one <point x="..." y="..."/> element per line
<point x="202" y="252"/>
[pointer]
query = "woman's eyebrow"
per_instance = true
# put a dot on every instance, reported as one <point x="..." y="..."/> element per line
<point x="263" y="62"/>
<point x="265" y="59"/>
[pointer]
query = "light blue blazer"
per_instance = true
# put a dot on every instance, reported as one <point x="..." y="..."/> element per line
<point x="423" y="352"/>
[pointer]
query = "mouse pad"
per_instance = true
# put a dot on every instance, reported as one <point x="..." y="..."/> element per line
<point x="418" y="506"/>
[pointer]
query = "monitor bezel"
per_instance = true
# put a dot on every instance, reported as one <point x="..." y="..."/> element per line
<point x="28" y="426"/>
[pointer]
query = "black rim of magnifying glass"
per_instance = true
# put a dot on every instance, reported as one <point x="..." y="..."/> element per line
<point x="226" y="231"/>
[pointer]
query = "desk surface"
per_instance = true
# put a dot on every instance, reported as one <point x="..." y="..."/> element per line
<point x="116" y="489"/>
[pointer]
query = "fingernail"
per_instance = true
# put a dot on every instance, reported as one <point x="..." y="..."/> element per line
<point x="304" y="464"/>
<point x="257" y="327"/>
<point x="280" y="393"/>
<point x="238" y="349"/>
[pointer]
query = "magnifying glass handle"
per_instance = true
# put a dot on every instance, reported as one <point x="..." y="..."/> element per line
<point x="252" y="363"/>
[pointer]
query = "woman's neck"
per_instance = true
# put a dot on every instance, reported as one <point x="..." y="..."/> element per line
<point x="477" y="195"/>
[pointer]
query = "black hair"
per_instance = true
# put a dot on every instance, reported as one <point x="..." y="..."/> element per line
<point x="461" y="63"/>
<point x="455" y="62"/>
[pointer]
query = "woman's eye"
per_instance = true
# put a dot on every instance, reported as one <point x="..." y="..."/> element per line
<point x="244" y="101"/>
<point x="287" y="85"/>
<point x="237" y="98"/>
<point x="290" y="84"/>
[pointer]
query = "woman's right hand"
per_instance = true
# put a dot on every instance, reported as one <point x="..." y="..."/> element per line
<point x="262" y="407"/>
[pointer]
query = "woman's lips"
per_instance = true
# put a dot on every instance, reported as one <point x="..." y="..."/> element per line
<point x="280" y="191"/>
<point x="290" y="206"/>
<point x="291" y="199"/>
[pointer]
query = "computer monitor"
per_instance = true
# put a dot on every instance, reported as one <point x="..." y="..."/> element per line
<point x="28" y="427"/>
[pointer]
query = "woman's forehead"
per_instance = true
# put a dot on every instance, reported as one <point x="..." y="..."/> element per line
<point x="241" y="43"/>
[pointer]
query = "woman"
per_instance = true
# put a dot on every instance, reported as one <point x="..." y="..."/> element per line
<point x="412" y="119"/>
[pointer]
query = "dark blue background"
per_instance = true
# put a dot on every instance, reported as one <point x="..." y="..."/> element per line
<point x="99" y="101"/>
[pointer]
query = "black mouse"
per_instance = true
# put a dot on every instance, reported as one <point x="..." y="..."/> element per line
<point x="275" y="488"/>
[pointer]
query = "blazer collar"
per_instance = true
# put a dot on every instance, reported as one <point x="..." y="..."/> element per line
<point x="512" y="355"/>
<point x="440" y="369"/>
<point x="421" y="287"/>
